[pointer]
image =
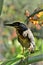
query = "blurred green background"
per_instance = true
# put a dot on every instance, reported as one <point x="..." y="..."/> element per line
<point x="13" y="10"/>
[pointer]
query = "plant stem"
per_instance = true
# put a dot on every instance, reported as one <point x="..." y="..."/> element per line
<point x="30" y="60"/>
<point x="35" y="13"/>
<point x="27" y="20"/>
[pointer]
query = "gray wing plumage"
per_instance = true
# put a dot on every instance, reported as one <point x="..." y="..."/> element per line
<point x="30" y="36"/>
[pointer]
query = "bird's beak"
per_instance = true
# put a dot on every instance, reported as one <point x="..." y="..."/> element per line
<point x="12" y="25"/>
<point x="9" y="25"/>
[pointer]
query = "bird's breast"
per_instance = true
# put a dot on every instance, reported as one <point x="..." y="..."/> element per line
<point x="24" y="41"/>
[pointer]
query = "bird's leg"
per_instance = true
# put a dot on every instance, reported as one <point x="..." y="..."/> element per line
<point x="23" y="51"/>
<point x="23" y="57"/>
<point x="29" y="49"/>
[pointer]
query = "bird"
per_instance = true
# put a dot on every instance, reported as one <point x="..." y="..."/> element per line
<point x="24" y="34"/>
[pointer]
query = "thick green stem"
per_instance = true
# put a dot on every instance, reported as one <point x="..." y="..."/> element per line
<point x="35" y="58"/>
<point x="30" y="60"/>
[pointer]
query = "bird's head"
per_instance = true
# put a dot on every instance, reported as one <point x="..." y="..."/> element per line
<point x="17" y="25"/>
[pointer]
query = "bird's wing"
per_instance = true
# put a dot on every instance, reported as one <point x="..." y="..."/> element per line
<point x="29" y="35"/>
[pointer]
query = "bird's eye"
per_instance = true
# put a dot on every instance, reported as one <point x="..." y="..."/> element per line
<point x="18" y="24"/>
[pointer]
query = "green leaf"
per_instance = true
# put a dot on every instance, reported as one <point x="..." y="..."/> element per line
<point x="9" y="61"/>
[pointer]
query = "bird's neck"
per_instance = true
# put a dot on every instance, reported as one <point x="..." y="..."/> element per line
<point x="20" y="31"/>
